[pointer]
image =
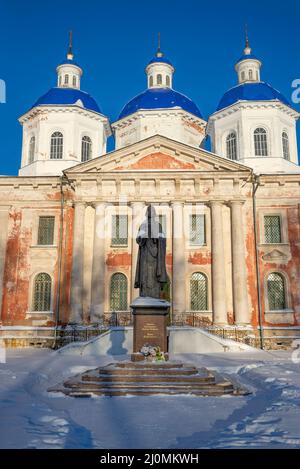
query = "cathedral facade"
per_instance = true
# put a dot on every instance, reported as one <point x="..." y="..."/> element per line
<point x="231" y="215"/>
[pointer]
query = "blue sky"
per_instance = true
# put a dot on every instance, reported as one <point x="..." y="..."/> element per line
<point x="113" y="41"/>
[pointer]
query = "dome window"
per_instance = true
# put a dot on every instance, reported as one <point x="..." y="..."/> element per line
<point x="250" y="74"/>
<point x="231" y="146"/>
<point x="31" y="150"/>
<point x="168" y="80"/>
<point x="74" y="81"/>
<point x="66" y="79"/>
<point x="151" y="81"/>
<point x="285" y="146"/>
<point x="260" y="142"/>
<point x="243" y="76"/>
<point x="56" y="148"/>
<point x="86" y="148"/>
<point x="159" y="79"/>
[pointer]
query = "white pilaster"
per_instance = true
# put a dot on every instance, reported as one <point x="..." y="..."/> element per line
<point x="77" y="264"/>
<point x="178" y="281"/>
<point x="4" y="210"/>
<point x="239" y="277"/>
<point x="218" y="265"/>
<point x="98" y="265"/>
<point x="138" y="209"/>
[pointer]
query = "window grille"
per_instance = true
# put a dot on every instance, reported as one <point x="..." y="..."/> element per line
<point x="159" y="79"/>
<point x="118" y="292"/>
<point x="46" y="231"/>
<point x="56" y="150"/>
<point x="260" y="142"/>
<point x="197" y="230"/>
<point x="231" y="146"/>
<point x="198" y="287"/>
<point x="276" y="292"/>
<point x="86" y="148"/>
<point x="119" y="230"/>
<point x="272" y="229"/>
<point x="42" y="292"/>
<point x="74" y="80"/>
<point x="31" y="150"/>
<point x="285" y="146"/>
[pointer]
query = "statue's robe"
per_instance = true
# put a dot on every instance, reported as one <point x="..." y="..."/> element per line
<point x="151" y="272"/>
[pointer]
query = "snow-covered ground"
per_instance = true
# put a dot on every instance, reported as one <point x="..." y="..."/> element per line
<point x="30" y="417"/>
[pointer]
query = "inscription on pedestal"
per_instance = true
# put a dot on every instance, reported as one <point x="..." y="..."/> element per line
<point x="150" y="323"/>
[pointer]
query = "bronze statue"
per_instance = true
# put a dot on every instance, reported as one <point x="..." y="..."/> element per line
<point x="151" y="272"/>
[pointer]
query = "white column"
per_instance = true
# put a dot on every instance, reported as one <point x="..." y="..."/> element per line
<point x="138" y="213"/>
<point x="98" y="265"/>
<point x="77" y="264"/>
<point x="239" y="276"/>
<point x="4" y="210"/>
<point x="178" y="259"/>
<point x="218" y="264"/>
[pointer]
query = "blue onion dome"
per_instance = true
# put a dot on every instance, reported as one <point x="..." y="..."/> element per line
<point x="162" y="59"/>
<point x="258" y="91"/>
<point x="247" y="57"/>
<point x="68" y="97"/>
<point x="160" y="98"/>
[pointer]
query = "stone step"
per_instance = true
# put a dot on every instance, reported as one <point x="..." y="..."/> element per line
<point x="148" y="371"/>
<point x="145" y="379"/>
<point x="214" y="391"/>
<point x="149" y="378"/>
<point x="145" y="364"/>
<point x="142" y="384"/>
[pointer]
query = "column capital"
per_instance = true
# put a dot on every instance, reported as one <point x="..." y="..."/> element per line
<point x="236" y="202"/>
<point x="176" y="202"/>
<point x="215" y="202"/>
<point x="79" y="203"/>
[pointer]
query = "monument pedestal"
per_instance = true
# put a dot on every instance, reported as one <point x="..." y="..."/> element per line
<point x="149" y="325"/>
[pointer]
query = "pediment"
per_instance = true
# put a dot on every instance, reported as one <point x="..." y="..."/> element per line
<point x="158" y="153"/>
<point x="275" y="255"/>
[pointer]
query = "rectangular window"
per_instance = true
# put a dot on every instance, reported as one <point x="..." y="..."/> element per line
<point x="46" y="231"/>
<point x="272" y="229"/>
<point x="163" y="222"/>
<point x="119" y="230"/>
<point x="197" y="230"/>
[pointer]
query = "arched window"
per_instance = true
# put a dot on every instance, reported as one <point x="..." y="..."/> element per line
<point x="276" y="292"/>
<point x="285" y="146"/>
<point x="56" y="148"/>
<point x="250" y="74"/>
<point x="243" y="76"/>
<point x="151" y="80"/>
<point x="42" y="292"/>
<point x="74" y="80"/>
<point x="231" y="146"/>
<point x="31" y="150"/>
<point x="260" y="142"/>
<point x="86" y="148"/>
<point x="167" y="80"/>
<point x="60" y="79"/>
<point x="198" y="289"/>
<point x="66" y="79"/>
<point x="118" y="292"/>
<point x="159" y="79"/>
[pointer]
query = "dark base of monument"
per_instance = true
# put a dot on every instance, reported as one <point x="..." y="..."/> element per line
<point x="148" y="378"/>
<point x="139" y="357"/>
<point x="150" y="323"/>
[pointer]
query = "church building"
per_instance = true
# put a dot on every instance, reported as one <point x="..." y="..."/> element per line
<point x="231" y="216"/>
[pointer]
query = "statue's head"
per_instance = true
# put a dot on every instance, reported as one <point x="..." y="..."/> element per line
<point x="151" y="213"/>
